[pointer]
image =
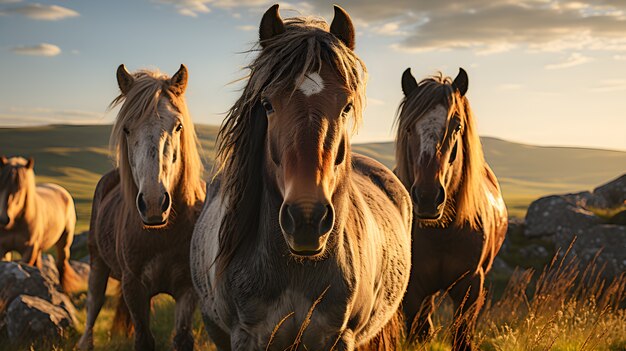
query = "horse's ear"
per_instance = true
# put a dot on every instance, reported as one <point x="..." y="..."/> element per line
<point x="178" y="82"/>
<point x="461" y="82"/>
<point x="3" y="161"/>
<point x="30" y="164"/>
<point x="409" y="84"/>
<point x="342" y="27"/>
<point x="271" y="25"/>
<point x="124" y="79"/>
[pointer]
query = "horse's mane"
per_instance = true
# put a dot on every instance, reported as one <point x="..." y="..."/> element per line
<point x="280" y="66"/>
<point x="139" y="104"/>
<point x="470" y="202"/>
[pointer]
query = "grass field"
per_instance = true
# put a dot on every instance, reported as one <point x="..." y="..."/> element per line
<point x="558" y="315"/>
<point x="76" y="157"/>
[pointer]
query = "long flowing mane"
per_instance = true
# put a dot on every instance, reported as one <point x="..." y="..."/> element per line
<point x="138" y="106"/>
<point x="280" y="66"/>
<point x="470" y="198"/>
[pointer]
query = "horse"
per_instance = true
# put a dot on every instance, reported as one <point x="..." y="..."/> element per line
<point x="35" y="217"/>
<point x="144" y="210"/>
<point x="301" y="244"/>
<point x="459" y="219"/>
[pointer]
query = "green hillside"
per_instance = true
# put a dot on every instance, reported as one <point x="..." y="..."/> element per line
<point x="76" y="156"/>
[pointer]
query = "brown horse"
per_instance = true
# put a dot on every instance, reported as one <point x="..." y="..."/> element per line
<point x="143" y="213"/>
<point x="459" y="218"/>
<point x="301" y="244"/>
<point x="33" y="218"/>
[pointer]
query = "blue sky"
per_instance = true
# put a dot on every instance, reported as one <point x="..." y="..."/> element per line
<point x="541" y="72"/>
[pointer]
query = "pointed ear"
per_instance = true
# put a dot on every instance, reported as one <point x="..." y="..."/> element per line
<point x="461" y="82"/>
<point x="342" y="27"/>
<point x="271" y="25"/>
<point x="3" y="161"/>
<point x="178" y="82"/>
<point x="409" y="84"/>
<point x="30" y="164"/>
<point x="124" y="79"/>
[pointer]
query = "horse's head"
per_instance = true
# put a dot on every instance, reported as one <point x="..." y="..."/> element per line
<point x="307" y="134"/>
<point x="432" y="122"/>
<point x="16" y="176"/>
<point x="149" y="137"/>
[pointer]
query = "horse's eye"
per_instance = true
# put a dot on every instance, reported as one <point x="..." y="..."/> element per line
<point x="267" y="106"/>
<point x="179" y="127"/>
<point x="126" y="131"/>
<point x="408" y="130"/>
<point x="458" y="128"/>
<point x="347" y="109"/>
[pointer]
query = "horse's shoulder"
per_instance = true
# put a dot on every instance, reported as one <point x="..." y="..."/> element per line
<point x="106" y="183"/>
<point x="380" y="176"/>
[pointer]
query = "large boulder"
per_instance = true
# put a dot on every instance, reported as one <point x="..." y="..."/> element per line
<point x="18" y="281"/>
<point x="610" y="195"/>
<point x="550" y="214"/>
<point x="33" y="320"/>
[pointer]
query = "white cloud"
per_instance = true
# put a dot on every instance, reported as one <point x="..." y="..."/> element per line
<point x="510" y="86"/>
<point x="574" y="59"/>
<point x="389" y="29"/>
<point x="610" y="85"/>
<point x="21" y="116"/>
<point x="42" y="12"/>
<point x="42" y="49"/>
<point x="193" y="8"/>
<point x="247" y="28"/>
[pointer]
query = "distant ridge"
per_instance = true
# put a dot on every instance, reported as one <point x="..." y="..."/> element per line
<point x="76" y="155"/>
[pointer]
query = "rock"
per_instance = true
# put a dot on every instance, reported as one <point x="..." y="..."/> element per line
<point x="18" y="279"/>
<point x="619" y="218"/>
<point x="30" y="318"/>
<point x="607" y="238"/>
<point x="610" y="195"/>
<point x="550" y="214"/>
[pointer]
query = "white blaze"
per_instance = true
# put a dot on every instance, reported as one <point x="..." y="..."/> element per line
<point x="431" y="127"/>
<point x="312" y="84"/>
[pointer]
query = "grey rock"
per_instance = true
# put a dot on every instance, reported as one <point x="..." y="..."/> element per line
<point x="610" y="195"/>
<point x="30" y="318"/>
<point x="550" y="214"/>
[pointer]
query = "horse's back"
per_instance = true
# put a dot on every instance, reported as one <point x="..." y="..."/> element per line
<point x="55" y="208"/>
<point x="384" y="179"/>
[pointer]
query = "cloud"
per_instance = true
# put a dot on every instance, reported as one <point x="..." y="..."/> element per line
<point x="389" y="29"/>
<point x="510" y="86"/>
<point x="42" y="49"/>
<point x="42" y="12"/>
<point x="375" y="102"/>
<point x="247" y="28"/>
<point x="610" y="85"/>
<point x="574" y="59"/>
<point x="193" y="8"/>
<point x="491" y="26"/>
<point x="22" y="116"/>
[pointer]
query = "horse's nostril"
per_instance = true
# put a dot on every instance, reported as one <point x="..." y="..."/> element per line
<point x="166" y="202"/>
<point x="415" y="195"/>
<point x="327" y="220"/>
<point x="441" y="196"/>
<point x="286" y="219"/>
<point x="141" y="203"/>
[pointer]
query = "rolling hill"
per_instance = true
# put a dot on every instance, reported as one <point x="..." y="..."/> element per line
<point x="75" y="157"/>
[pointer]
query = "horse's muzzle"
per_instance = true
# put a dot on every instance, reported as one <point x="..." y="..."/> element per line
<point x="428" y="205"/>
<point x="306" y="227"/>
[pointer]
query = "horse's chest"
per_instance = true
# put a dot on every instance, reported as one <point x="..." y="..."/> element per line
<point x="281" y="320"/>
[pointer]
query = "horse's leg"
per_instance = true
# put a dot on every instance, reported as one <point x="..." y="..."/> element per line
<point x="31" y="255"/>
<point x="185" y="306"/>
<point x="241" y="340"/>
<point x="345" y="341"/>
<point x="137" y="298"/>
<point x="98" y="279"/>
<point x="67" y="276"/>
<point x="417" y="307"/>
<point x="219" y="337"/>
<point x="468" y="299"/>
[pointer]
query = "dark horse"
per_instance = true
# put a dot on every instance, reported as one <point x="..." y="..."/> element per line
<point x="459" y="218"/>
<point x="301" y="244"/>
<point x="143" y="213"/>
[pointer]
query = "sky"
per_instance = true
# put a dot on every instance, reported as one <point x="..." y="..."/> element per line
<point x="540" y="72"/>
